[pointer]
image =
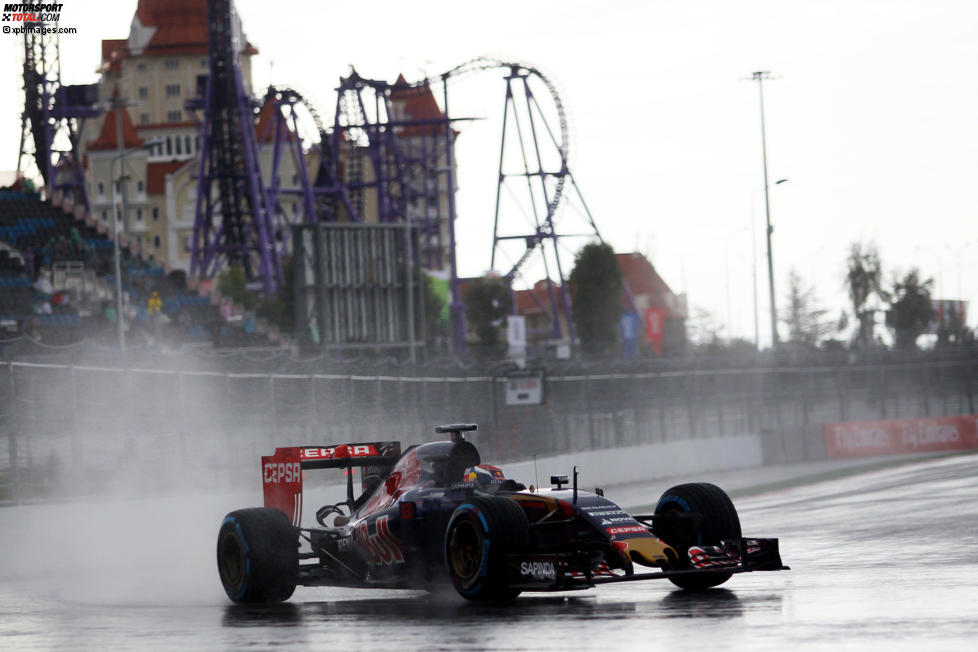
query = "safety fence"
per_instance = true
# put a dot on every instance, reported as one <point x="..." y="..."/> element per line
<point x="77" y="429"/>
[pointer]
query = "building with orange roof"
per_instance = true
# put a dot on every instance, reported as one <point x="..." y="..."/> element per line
<point x="156" y="70"/>
<point x="647" y="288"/>
<point x="417" y="104"/>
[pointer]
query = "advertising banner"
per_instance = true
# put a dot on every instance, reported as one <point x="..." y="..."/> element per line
<point x="628" y="331"/>
<point x="947" y="313"/>
<point x="655" y="320"/>
<point x="901" y="436"/>
<point x="524" y="387"/>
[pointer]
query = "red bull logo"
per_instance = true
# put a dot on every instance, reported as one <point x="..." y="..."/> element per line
<point x="381" y="547"/>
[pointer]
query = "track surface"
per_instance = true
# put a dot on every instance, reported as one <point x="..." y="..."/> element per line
<point x="882" y="560"/>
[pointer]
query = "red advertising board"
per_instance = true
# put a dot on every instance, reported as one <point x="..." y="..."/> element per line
<point x="655" y="319"/>
<point x="900" y="436"/>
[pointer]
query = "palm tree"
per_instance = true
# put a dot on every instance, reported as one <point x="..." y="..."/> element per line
<point x="863" y="280"/>
<point x="910" y="310"/>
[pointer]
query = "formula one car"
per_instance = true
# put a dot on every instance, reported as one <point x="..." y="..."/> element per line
<point x="436" y="514"/>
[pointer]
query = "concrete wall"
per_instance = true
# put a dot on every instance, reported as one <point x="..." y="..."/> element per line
<point x="641" y="463"/>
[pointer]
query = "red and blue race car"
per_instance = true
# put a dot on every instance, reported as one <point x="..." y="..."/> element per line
<point x="435" y="514"/>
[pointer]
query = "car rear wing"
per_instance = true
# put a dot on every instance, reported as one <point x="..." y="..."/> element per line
<point x="281" y="473"/>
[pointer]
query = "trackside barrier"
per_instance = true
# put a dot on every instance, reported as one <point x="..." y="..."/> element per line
<point x="901" y="436"/>
<point x="84" y="428"/>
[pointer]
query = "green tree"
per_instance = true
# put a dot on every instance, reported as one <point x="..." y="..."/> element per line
<point x="597" y="285"/>
<point x="864" y="280"/>
<point x="279" y="308"/>
<point x="233" y="283"/>
<point x="436" y="313"/>
<point x="487" y="302"/>
<point x="806" y="321"/>
<point x="910" y="308"/>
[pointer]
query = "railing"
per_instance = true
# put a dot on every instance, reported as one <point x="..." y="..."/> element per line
<point x="74" y="429"/>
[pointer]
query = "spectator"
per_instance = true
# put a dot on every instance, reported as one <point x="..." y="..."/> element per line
<point x="29" y="263"/>
<point x="76" y="240"/>
<point x="154" y="304"/>
<point x="43" y="285"/>
<point x="32" y="327"/>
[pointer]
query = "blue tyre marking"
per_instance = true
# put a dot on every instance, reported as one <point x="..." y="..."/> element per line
<point x="686" y="508"/>
<point x="674" y="499"/>
<point x="244" y="544"/>
<point x="485" y="547"/>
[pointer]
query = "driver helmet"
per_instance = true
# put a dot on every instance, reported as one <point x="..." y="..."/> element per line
<point x="484" y="476"/>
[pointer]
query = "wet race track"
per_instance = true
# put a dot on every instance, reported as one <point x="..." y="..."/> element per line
<point x="882" y="560"/>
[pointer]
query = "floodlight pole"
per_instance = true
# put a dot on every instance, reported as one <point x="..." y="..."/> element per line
<point x="760" y="76"/>
<point x="119" y="105"/>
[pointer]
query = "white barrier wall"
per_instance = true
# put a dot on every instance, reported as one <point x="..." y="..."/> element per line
<point x="641" y="463"/>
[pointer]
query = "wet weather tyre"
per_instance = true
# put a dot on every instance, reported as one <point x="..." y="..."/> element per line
<point x="480" y="534"/>
<point x="718" y="521"/>
<point x="258" y="555"/>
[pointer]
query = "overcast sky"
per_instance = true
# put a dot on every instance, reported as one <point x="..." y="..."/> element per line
<point x="873" y="118"/>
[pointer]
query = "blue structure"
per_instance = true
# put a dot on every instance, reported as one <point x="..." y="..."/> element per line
<point x="234" y="218"/>
<point x="53" y="118"/>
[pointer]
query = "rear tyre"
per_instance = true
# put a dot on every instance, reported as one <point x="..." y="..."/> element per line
<point x="719" y="521"/>
<point x="480" y="533"/>
<point x="258" y="555"/>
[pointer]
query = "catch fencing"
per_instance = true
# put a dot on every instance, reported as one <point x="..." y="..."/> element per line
<point x="79" y="429"/>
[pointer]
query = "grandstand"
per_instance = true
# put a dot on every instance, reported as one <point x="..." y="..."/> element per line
<point x="57" y="286"/>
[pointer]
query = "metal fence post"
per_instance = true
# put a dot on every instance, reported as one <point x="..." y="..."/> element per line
<point x="688" y="382"/>
<point x="181" y="417"/>
<point x="313" y="405"/>
<point x="75" y="438"/>
<point x="924" y="399"/>
<point x="271" y="382"/>
<point x="12" y="439"/>
<point x="882" y="393"/>
<point x="493" y="405"/>
<point x="968" y="370"/>
<point x="228" y="409"/>
<point x="590" y="411"/>
<point x="842" y="378"/>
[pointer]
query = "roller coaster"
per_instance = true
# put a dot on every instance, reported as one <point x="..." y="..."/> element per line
<point x="53" y="117"/>
<point x="388" y="156"/>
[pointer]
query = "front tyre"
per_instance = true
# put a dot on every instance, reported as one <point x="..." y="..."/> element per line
<point x="258" y="555"/>
<point x="481" y="533"/>
<point x="717" y="520"/>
